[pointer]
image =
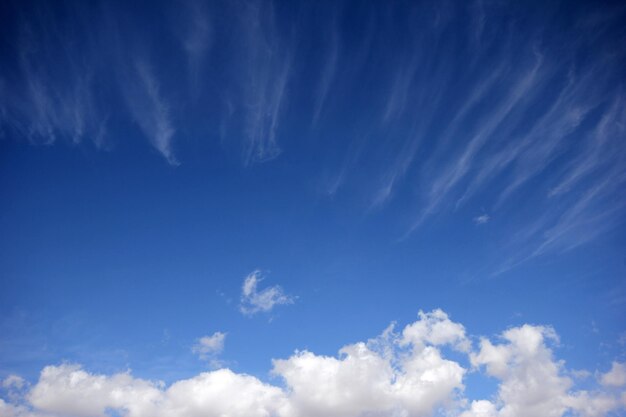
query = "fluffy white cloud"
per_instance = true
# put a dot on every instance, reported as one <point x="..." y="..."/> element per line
<point x="532" y="383"/>
<point x="222" y="393"/>
<point x="435" y="328"/>
<point x="254" y="301"/>
<point x="397" y="374"/>
<point x="68" y="390"/>
<point x="209" y="346"/>
<point x="481" y="408"/>
<point x="387" y="376"/>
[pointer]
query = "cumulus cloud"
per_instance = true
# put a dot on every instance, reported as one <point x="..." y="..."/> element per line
<point x="437" y="329"/>
<point x="616" y="377"/>
<point x="387" y="376"/>
<point x="532" y="383"/>
<point x="69" y="390"/>
<point x="399" y="373"/>
<point x="254" y="300"/>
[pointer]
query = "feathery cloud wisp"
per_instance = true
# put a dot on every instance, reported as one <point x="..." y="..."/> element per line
<point x="254" y="301"/>
<point x="151" y="111"/>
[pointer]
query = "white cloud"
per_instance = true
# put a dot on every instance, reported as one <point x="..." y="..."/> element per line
<point x="254" y="301"/>
<point x="13" y="381"/>
<point x="387" y="376"/>
<point x="267" y="62"/>
<point x="327" y="73"/>
<point x="436" y="328"/>
<point x="207" y="347"/>
<point x="397" y="374"/>
<point x="150" y="110"/>
<point x="616" y="377"/>
<point x="68" y="390"/>
<point x="481" y="408"/>
<point x="196" y="41"/>
<point x="524" y="87"/>
<point x="532" y="383"/>
<point x="482" y="219"/>
<point x="54" y="100"/>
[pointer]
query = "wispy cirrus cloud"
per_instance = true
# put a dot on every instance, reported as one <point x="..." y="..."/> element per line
<point x="520" y="117"/>
<point x="328" y="71"/>
<point x="434" y="109"/>
<point x="507" y="110"/>
<point x="265" y="73"/>
<point x="196" y="41"/>
<point x="54" y="97"/>
<point x="602" y="151"/>
<point x="59" y="95"/>
<point x="586" y="201"/>
<point x="150" y="109"/>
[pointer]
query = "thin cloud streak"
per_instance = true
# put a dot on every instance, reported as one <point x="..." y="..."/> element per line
<point x="602" y="150"/>
<point x="460" y="166"/>
<point x="151" y="111"/>
<point x="196" y="43"/>
<point x="54" y="98"/>
<point x="400" y="90"/>
<point x="327" y="74"/>
<point x="266" y="74"/>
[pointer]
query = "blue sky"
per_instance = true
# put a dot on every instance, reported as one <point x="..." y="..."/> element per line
<point x="223" y="195"/>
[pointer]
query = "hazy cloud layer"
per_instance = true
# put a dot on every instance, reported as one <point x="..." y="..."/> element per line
<point x="399" y="373"/>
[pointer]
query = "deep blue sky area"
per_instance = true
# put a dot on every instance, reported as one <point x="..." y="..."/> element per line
<point x="361" y="161"/>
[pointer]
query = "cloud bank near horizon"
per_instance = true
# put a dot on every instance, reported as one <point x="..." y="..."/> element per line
<point x="419" y="371"/>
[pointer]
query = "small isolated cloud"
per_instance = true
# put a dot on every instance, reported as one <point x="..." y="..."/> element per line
<point x="254" y="300"/>
<point x="482" y="219"/>
<point x="207" y="347"/>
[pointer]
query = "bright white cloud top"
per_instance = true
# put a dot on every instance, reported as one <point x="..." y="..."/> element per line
<point x="411" y="373"/>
